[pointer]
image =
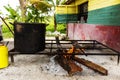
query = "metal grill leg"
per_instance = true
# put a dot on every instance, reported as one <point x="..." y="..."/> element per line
<point x="51" y="47"/>
<point x="12" y="58"/>
<point x="118" y="58"/>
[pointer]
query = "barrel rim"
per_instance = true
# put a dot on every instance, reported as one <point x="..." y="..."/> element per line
<point x="27" y="23"/>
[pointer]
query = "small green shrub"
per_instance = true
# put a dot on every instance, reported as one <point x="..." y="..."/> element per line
<point x="50" y="28"/>
<point x="61" y="28"/>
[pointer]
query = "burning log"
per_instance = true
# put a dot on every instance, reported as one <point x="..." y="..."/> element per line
<point x="68" y="65"/>
<point x="91" y="65"/>
<point x="66" y="61"/>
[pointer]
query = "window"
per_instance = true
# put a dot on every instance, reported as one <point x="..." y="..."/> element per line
<point x="83" y="12"/>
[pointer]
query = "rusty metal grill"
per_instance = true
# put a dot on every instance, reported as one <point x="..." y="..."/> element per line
<point x="91" y="47"/>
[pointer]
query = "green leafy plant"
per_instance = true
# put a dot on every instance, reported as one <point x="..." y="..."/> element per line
<point x="61" y="28"/>
<point x="35" y="12"/>
<point x="6" y="32"/>
<point x="13" y="13"/>
<point x="35" y="15"/>
<point x="50" y="28"/>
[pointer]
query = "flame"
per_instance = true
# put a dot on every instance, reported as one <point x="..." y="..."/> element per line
<point x="72" y="50"/>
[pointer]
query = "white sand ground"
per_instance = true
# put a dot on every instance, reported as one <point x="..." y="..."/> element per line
<point x="43" y="67"/>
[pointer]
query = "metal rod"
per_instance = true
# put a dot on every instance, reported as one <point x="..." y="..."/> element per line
<point x="78" y="47"/>
<point x="69" y="40"/>
<point x="7" y="43"/>
<point x="109" y="47"/>
<point x="59" y="53"/>
<point x="7" y="25"/>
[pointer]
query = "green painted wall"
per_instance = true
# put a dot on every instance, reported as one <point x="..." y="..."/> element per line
<point x="105" y="16"/>
<point x="66" y="18"/>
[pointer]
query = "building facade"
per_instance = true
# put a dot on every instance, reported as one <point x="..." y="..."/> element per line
<point x="92" y="20"/>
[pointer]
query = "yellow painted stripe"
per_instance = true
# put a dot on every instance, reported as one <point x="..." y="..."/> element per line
<point x="78" y="2"/>
<point x="66" y="9"/>
<point x="97" y="4"/>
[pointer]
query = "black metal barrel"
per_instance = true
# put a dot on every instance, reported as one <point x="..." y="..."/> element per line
<point x="29" y="37"/>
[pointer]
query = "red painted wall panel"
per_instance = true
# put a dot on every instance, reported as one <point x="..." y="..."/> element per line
<point x="71" y="30"/>
<point x="109" y="35"/>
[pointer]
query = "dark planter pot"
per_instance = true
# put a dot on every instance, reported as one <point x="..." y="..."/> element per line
<point x="29" y="37"/>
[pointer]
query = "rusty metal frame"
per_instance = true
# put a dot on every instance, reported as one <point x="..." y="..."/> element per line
<point x="52" y="49"/>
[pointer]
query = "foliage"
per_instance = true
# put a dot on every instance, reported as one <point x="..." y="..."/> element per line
<point x="7" y="35"/>
<point x="32" y="15"/>
<point x="35" y="12"/>
<point x="13" y="14"/>
<point x="55" y="3"/>
<point x="50" y="28"/>
<point x="41" y="5"/>
<point x="35" y="15"/>
<point x="61" y="28"/>
<point x="5" y="30"/>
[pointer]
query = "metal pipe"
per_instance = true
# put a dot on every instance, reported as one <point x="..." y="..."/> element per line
<point x="7" y="25"/>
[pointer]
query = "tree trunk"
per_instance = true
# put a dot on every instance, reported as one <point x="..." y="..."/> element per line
<point x="23" y="9"/>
